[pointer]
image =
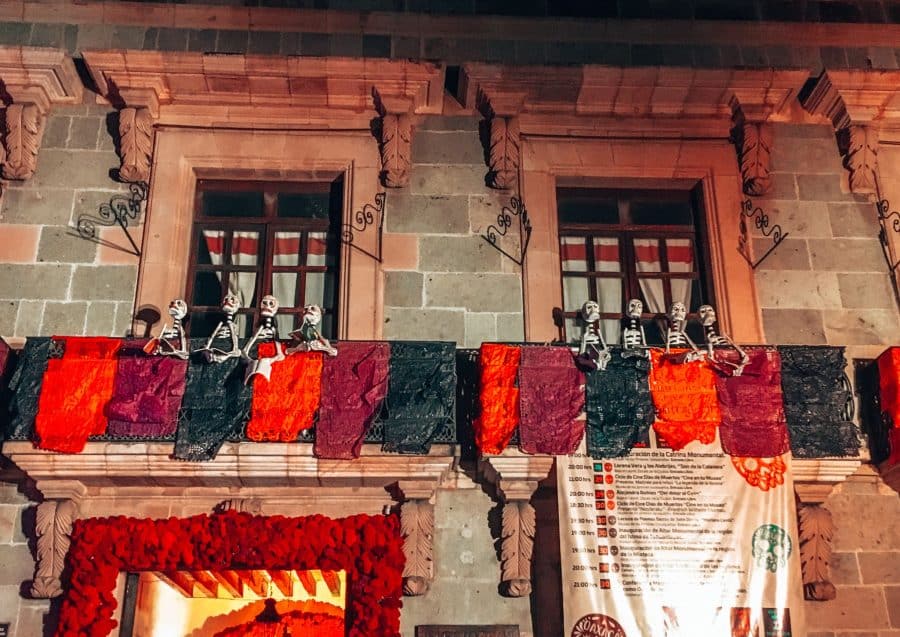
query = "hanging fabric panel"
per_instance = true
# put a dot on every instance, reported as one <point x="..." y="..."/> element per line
<point x="684" y="395"/>
<point x="618" y="406"/>
<point x="752" y="406"/>
<point x="25" y="387"/>
<point x="214" y="408"/>
<point x="75" y="393"/>
<point x="286" y="404"/>
<point x="499" y="397"/>
<point x="147" y="394"/>
<point x="889" y="384"/>
<point x="815" y="399"/>
<point x="354" y="384"/>
<point x="421" y="395"/>
<point x="551" y="401"/>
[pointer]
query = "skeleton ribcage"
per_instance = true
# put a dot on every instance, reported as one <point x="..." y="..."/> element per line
<point x="676" y="339"/>
<point x="631" y="338"/>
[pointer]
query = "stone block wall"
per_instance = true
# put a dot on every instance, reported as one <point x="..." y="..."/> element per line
<point x="455" y="286"/>
<point x="467" y="569"/>
<point x="828" y="281"/>
<point x="25" y="617"/>
<point x="865" y="564"/>
<point x="52" y="281"/>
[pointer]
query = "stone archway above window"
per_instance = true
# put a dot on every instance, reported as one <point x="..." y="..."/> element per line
<point x="33" y="80"/>
<point x="598" y="101"/>
<point x="260" y="92"/>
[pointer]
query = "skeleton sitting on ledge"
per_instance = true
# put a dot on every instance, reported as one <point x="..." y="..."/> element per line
<point x="593" y="353"/>
<point x="676" y="336"/>
<point x="714" y="340"/>
<point x="226" y="329"/>
<point x="308" y="334"/>
<point x="171" y="341"/>
<point x="267" y="331"/>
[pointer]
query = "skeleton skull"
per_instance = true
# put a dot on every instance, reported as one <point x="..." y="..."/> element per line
<point x="590" y="311"/>
<point x="635" y="308"/>
<point x="231" y="304"/>
<point x="707" y="315"/>
<point x="312" y="315"/>
<point x="268" y="306"/>
<point x="677" y="312"/>
<point x="178" y="309"/>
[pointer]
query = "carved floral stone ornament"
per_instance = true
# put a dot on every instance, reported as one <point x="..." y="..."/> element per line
<point x="33" y="80"/>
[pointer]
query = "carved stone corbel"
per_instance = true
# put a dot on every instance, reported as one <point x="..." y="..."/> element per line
<point x="395" y="145"/>
<point x="54" y="531"/>
<point x="814" y="481"/>
<point x="417" y="528"/>
<point x="23" y="125"/>
<point x="135" y="143"/>
<point x="859" y="145"/>
<point x="503" y="155"/>
<point x="754" y="146"/>
<point x="515" y="478"/>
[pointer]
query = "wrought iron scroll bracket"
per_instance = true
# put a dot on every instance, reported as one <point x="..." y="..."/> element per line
<point x="761" y="223"/>
<point x="496" y="231"/>
<point x="361" y="220"/>
<point x="889" y="220"/>
<point x="120" y="210"/>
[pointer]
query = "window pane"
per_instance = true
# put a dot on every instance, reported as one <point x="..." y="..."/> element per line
<point x="573" y="330"/>
<point x="609" y="295"/>
<point x="304" y="205"/>
<point x="680" y="253"/>
<point x="682" y="291"/>
<point x="654" y="331"/>
<point x="658" y="213"/>
<point x="211" y="247"/>
<point x="652" y="294"/>
<point x="696" y="296"/>
<point x="207" y="289"/>
<point x="585" y="205"/>
<point x="286" y="324"/>
<point x="610" y="328"/>
<point x="243" y="286"/>
<point x="244" y="324"/>
<point x="315" y="289"/>
<point x="576" y="291"/>
<point x="245" y="248"/>
<point x="607" y="257"/>
<point x="573" y="251"/>
<point x="284" y="287"/>
<point x="203" y="323"/>
<point x="287" y="248"/>
<point x="646" y="255"/>
<point x="317" y="248"/>
<point x="232" y="204"/>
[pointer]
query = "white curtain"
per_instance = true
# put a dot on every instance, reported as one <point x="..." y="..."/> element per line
<point x="680" y="255"/>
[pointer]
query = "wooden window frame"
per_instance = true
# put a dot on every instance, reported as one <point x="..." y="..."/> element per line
<point x="625" y="233"/>
<point x="267" y="226"/>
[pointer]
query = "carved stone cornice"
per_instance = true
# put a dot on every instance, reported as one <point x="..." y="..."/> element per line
<point x="814" y="480"/>
<point x="858" y="104"/>
<point x="228" y="90"/>
<point x="33" y="79"/>
<point x="515" y="477"/>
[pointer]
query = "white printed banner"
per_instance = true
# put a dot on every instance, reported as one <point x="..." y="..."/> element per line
<point x="683" y="543"/>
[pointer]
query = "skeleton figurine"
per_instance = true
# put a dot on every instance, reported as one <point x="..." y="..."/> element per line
<point x="714" y="339"/>
<point x="634" y="341"/>
<point x="268" y="330"/>
<point x="593" y="353"/>
<point x="676" y="336"/>
<point x="163" y="345"/>
<point x="308" y="334"/>
<point x="225" y="329"/>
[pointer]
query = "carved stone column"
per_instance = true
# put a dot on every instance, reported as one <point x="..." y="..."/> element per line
<point x="135" y="143"/>
<point x="814" y="481"/>
<point x="23" y="125"/>
<point x="515" y="478"/>
<point x="503" y="153"/>
<point x="859" y="145"/>
<point x="396" y="149"/>
<point x="55" y="516"/>
<point x="417" y="528"/>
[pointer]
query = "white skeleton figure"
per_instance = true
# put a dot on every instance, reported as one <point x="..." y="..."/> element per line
<point x="593" y="350"/>
<point x="675" y="334"/>
<point x="308" y="334"/>
<point x="163" y="345"/>
<point x="714" y="339"/>
<point x="634" y="341"/>
<point x="268" y="330"/>
<point x="225" y="329"/>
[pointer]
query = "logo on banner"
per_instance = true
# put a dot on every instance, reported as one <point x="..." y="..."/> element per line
<point x="596" y="625"/>
<point x="771" y="547"/>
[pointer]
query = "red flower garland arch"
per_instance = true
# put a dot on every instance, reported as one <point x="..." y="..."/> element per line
<point x="368" y="548"/>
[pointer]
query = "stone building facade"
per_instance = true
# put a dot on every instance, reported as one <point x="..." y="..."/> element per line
<point x="636" y="95"/>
